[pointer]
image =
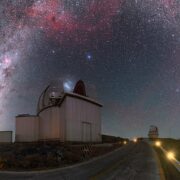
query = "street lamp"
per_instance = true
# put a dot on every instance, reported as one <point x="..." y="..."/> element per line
<point x="158" y="143"/>
<point x="170" y="155"/>
<point x="125" y="142"/>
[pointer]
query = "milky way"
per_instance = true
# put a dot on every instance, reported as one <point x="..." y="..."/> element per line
<point x="117" y="46"/>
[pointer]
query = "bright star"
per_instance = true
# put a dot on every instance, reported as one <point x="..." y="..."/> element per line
<point x="89" y="56"/>
<point x="177" y="90"/>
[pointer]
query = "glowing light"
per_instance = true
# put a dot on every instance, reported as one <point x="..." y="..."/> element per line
<point x="158" y="143"/>
<point x="6" y="61"/>
<point x="89" y="56"/>
<point x="125" y="142"/>
<point x="67" y="86"/>
<point x="135" y="140"/>
<point x="170" y="155"/>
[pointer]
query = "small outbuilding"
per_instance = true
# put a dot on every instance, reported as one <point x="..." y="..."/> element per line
<point x="5" y="136"/>
<point x="27" y="128"/>
<point x="63" y="116"/>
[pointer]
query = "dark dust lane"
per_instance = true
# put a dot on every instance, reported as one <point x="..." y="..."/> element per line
<point x="133" y="161"/>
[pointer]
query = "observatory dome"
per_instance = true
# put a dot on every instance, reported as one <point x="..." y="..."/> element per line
<point x="53" y="94"/>
<point x="153" y="132"/>
<point x="65" y="112"/>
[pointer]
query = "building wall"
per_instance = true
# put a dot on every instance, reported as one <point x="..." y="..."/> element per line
<point x="27" y="129"/>
<point x="62" y="119"/>
<point x="52" y="124"/>
<point x="75" y="120"/>
<point x="67" y="122"/>
<point x="5" y="136"/>
<point x="82" y="116"/>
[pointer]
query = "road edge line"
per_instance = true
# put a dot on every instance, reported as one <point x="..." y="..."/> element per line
<point x="160" y="169"/>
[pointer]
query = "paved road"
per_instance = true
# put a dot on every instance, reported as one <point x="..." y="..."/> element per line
<point x="131" y="162"/>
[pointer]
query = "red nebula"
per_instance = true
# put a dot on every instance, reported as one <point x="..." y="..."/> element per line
<point x="62" y="24"/>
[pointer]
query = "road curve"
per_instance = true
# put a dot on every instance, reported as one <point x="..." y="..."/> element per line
<point x="132" y="161"/>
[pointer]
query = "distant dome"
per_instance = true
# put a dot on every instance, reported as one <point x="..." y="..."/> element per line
<point x="80" y="88"/>
<point x="153" y="132"/>
<point x="85" y="89"/>
<point x="153" y="128"/>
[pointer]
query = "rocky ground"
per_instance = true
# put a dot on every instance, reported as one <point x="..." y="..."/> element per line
<point x="133" y="161"/>
<point x="36" y="156"/>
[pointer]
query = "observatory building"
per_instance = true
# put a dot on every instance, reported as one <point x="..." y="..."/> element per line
<point x="63" y="116"/>
<point x="153" y="132"/>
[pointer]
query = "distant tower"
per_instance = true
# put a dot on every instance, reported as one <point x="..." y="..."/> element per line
<point x="153" y="132"/>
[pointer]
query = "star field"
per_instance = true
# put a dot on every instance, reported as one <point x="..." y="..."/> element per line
<point x="126" y="51"/>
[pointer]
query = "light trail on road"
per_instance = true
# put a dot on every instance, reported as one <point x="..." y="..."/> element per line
<point x="173" y="160"/>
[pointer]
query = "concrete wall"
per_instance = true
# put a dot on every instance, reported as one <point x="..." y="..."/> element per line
<point x="50" y="124"/>
<point x="27" y="129"/>
<point x="5" y="136"/>
<point x="79" y="114"/>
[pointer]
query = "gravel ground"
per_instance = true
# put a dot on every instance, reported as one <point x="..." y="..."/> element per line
<point x="132" y="161"/>
<point x="37" y="156"/>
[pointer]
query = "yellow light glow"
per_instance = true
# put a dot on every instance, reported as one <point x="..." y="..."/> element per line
<point x="170" y="155"/>
<point x="125" y="142"/>
<point x="135" y="140"/>
<point x="158" y="143"/>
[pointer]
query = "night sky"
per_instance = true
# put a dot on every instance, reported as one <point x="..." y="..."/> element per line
<point x="126" y="51"/>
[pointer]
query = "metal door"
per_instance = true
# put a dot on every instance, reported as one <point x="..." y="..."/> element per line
<point x="86" y="132"/>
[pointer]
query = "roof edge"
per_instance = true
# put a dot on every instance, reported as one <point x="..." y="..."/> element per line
<point x="72" y="95"/>
<point x="82" y="97"/>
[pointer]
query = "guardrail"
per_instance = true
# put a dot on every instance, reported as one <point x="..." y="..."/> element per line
<point x="173" y="160"/>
